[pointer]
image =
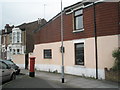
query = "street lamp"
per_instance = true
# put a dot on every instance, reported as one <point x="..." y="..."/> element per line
<point x="62" y="48"/>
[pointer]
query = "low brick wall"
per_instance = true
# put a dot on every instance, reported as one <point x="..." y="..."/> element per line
<point x="112" y="75"/>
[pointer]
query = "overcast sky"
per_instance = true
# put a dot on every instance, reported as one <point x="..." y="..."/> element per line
<point x="16" y="12"/>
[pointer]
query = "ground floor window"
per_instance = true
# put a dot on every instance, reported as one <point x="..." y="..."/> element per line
<point x="79" y="54"/>
<point x="18" y="51"/>
<point x="47" y="53"/>
<point x="13" y="51"/>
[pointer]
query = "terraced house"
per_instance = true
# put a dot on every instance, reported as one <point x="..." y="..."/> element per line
<point x="17" y="42"/>
<point x="12" y="43"/>
<point x="6" y="41"/>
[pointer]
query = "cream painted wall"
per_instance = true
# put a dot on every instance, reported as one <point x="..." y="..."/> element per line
<point x="90" y="53"/>
<point x="106" y="45"/>
<point x="69" y="55"/>
<point x="56" y="56"/>
<point x="19" y="59"/>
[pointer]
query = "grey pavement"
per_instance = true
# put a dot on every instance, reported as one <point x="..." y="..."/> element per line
<point x="72" y="81"/>
<point x="28" y="82"/>
<point x="24" y="81"/>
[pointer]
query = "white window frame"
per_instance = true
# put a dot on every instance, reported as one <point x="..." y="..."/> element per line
<point x="50" y="52"/>
<point x="83" y="60"/>
<point x="76" y="42"/>
<point x="74" y="23"/>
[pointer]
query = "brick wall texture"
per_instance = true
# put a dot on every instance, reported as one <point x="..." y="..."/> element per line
<point x="107" y="22"/>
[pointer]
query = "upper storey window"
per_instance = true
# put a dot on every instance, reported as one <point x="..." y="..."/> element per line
<point x="18" y="37"/>
<point x="78" y="20"/>
<point x="14" y="37"/>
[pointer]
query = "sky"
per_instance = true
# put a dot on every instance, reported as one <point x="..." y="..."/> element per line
<point x="17" y="12"/>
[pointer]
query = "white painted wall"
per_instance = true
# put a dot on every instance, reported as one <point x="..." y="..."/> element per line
<point x="17" y="45"/>
<point x="9" y="54"/>
<point x="73" y="70"/>
<point x="83" y="71"/>
<point x="20" y="47"/>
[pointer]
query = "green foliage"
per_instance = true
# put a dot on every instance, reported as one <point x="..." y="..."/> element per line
<point x="116" y="55"/>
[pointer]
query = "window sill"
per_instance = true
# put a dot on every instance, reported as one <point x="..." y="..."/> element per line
<point x="76" y="31"/>
<point x="79" y="66"/>
<point x="18" y="54"/>
<point x="47" y="58"/>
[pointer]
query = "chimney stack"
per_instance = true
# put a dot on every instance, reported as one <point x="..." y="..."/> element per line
<point x="39" y="20"/>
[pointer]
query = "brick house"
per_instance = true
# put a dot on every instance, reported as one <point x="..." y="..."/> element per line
<point x="6" y="39"/>
<point x="29" y="28"/>
<point x="91" y="33"/>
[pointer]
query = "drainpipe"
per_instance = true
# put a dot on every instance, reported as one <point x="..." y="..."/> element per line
<point x="95" y="34"/>
<point x="118" y="24"/>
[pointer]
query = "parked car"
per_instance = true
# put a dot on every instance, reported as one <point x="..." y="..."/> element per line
<point x="12" y="65"/>
<point x="8" y="73"/>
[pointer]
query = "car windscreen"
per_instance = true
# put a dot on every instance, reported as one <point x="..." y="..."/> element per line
<point x="8" y="62"/>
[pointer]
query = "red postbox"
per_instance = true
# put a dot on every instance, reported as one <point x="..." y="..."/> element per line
<point x="32" y="67"/>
